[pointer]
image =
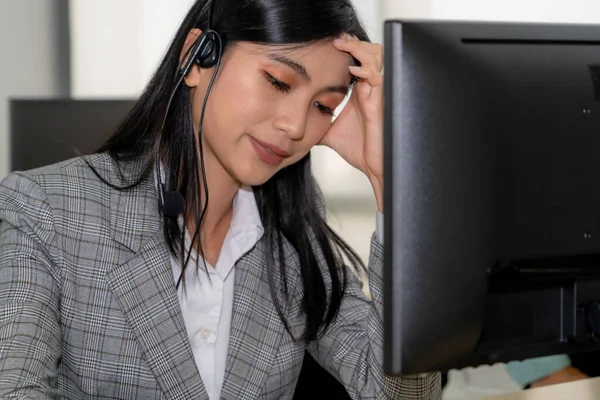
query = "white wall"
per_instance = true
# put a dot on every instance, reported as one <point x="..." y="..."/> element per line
<point x="161" y="21"/>
<point x="117" y="44"/>
<point x="106" y="51"/>
<point x="29" y="67"/>
<point x="577" y="11"/>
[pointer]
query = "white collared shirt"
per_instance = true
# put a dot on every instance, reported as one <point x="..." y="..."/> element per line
<point x="207" y="305"/>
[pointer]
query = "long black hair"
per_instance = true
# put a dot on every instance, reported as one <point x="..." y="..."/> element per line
<point x="290" y="203"/>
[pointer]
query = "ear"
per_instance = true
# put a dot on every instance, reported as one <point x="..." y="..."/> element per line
<point x="193" y="77"/>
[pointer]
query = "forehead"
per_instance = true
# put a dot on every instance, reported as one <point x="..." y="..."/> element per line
<point x="321" y="59"/>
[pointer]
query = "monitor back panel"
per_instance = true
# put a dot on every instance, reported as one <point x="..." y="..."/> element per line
<point x="492" y="134"/>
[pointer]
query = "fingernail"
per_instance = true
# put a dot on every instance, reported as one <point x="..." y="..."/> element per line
<point x="354" y="69"/>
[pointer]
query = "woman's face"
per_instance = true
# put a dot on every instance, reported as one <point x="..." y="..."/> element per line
<point x="268" y="106"/>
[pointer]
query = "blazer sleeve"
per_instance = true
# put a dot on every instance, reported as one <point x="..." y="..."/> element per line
<point x="30" y="339"/>
<point x="352" y="348"/>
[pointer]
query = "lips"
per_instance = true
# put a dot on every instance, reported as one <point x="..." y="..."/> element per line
<point x="273" y="149"/>
<point x="269" y="153"/>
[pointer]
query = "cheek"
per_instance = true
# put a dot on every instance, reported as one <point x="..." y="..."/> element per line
<point x="316" y="130"/>
<point x="233" y="108"/>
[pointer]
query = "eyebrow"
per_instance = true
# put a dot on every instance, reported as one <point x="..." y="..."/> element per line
<point x="300" y="70"/>
<point x="343" y="89"/>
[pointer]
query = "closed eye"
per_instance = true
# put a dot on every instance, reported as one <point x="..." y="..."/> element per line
<point x="285" y="88"/>
<point x="277" y="84"/>
<point x="323" y="109"/>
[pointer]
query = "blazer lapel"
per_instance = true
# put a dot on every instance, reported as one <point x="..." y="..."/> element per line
<point x="144" y="286"/>
<point x="146" y="291"/>
<point x="256" y="329"/>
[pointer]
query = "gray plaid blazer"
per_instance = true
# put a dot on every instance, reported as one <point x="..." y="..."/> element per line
<point x="88" y="306"/>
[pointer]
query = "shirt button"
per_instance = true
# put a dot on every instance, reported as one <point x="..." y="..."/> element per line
<point x="200" y="338"/>
<point x="204" y="334"/>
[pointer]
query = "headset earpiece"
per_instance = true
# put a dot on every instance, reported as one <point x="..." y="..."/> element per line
<point x="208" y="55"/>
<point x="204" y="52"/>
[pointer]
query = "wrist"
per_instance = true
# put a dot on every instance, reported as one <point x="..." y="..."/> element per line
<point x="377" y="184"/>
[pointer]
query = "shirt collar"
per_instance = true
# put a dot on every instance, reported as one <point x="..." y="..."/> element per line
<point x="245" y="212"/>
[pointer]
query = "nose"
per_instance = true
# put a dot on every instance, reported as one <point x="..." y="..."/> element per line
<point x="292" y="122"/>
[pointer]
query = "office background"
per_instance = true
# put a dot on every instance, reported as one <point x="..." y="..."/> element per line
<point x="108" y="49"/>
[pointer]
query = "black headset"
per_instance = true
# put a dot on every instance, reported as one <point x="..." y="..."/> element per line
<point x="206" y="53"/>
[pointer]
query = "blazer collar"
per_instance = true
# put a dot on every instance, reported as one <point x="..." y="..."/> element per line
<point x="134" y="213"/>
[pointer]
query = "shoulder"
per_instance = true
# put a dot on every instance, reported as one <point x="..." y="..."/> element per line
<point x="62" y="191"/>
<point x="56" y="176"/>
<point x="52" y="183"/>
<point x="74" y="171"/>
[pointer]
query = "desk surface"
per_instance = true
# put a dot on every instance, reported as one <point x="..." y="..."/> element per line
<point x="587" y="389"/>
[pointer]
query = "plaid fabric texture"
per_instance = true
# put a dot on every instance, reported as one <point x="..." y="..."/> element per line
<point x="88" y="307"/>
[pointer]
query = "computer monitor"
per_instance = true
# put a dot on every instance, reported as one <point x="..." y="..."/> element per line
<point x="492" y="193"/>
<point x="47" y="131"/>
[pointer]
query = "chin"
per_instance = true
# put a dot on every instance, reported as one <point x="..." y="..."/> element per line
<point x="255" y="180"/>
<point x="253" y="172"/>
<point x="254" y="177"/>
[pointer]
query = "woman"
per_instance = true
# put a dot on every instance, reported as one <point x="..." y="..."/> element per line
<point x="189" y="257"/>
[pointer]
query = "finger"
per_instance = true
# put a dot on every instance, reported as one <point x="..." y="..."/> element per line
<point x="365" y="53"/>
<point x="364" y="56"/>
<point x="372" y="48"/>
<point x="370" y="92"/>
<point x="369" y="75"/>
<point x="370" y="54"/>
